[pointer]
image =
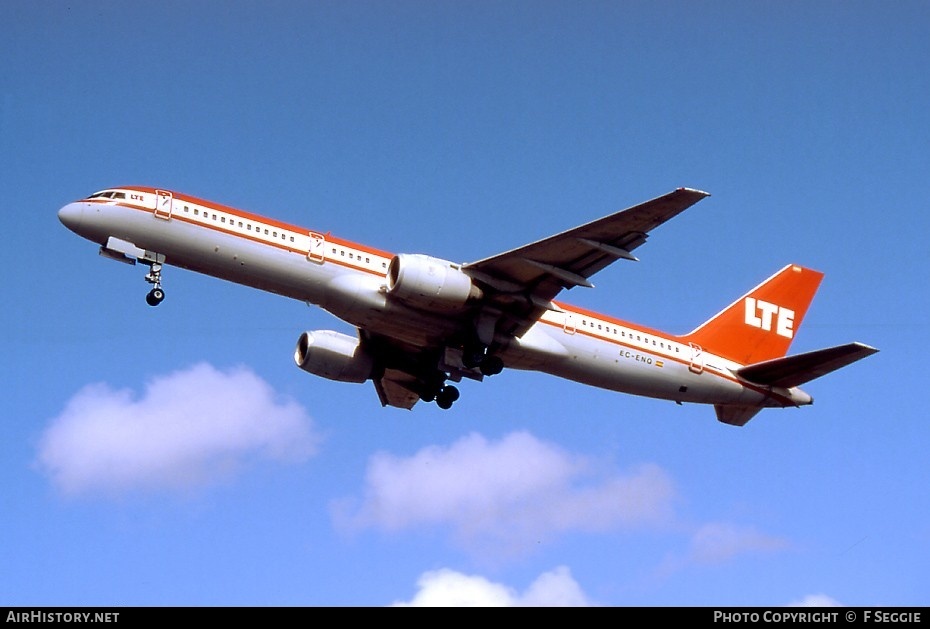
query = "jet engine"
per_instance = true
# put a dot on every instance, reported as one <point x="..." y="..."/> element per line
<point x="430" y="283"/>
<point x="333" y="355"/>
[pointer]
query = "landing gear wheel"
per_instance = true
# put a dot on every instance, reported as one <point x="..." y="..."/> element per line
<point x="446" y="396"/>
<point x="491" y="365"/>
<point x="472" y="357"/>
<point x="155" y="297"/>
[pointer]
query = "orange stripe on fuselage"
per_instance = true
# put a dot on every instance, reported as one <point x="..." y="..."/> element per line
<point x="246" y="216"/>
<point x="655" y="351"/>
<point x="671" y="357"/>
<point x="608" y="319"/>
<point x="219" y="207"/>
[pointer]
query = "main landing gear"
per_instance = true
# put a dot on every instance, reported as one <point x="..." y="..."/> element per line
<point x="487" y="364"/>
<point x="446" y="396"/>
<point x="156" y="295"/>
<point x="474" y="357"/>
<point x="443" y="394"/>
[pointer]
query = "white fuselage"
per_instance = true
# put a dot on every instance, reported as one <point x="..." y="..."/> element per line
<point x="348" y="280"/>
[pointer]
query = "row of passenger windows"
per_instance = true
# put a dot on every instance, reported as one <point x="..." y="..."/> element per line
<point x="355" y="256"/>
<point x="244" y="225"/>
<point x="258" y="229"/>
<point x="622" y="333"/>
<point x="270" y="232"/>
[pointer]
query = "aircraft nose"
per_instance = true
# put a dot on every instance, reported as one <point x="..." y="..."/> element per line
<point x="71" y="215"/>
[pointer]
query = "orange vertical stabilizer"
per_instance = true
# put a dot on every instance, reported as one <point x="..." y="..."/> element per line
<point x="761" y="324"/>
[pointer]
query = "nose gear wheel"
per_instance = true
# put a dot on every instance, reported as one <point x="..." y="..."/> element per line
<point x="156" y="295"/>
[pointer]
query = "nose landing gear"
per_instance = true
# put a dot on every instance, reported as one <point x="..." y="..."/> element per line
<point x="156" y="295"/>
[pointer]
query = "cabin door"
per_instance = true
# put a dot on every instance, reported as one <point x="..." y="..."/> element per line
<point x="697" y="358"/>
<point x="164" y="201"/>
<point x="568" y="324"/>
<point x="317" y="252"/>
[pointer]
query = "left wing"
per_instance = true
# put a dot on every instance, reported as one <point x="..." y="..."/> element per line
<point x="526" y="279"/>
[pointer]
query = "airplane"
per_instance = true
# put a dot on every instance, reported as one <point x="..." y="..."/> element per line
<point x="423" y="323"/>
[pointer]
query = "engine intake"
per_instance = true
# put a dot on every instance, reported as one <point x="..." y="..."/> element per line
<point x="430" y="283"/>
<point x="333" y="355"/>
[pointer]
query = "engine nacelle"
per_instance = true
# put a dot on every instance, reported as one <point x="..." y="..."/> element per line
<point x="333" y="355"/>
<point x="430" y="283"/>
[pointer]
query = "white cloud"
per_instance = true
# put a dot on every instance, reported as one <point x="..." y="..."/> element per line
<point x="719" y="542"/>
<point x="447" y="588"/>
<point x="515" y="491"/>
<point x="188" y="429"/>
<point x="816" y="600"/>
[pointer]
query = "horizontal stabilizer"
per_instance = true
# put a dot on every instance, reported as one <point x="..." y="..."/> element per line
<point x="793" y="371"/>
<point x="735" y="415"/>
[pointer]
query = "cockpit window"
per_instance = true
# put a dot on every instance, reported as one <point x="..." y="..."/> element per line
<point x="108" y="194"/>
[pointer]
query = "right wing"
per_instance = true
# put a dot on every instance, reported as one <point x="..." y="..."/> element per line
<point x="519" y="286"/>
<point x="524" y="281"/>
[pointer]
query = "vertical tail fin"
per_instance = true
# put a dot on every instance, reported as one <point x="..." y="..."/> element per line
<point x="761" y="324"/>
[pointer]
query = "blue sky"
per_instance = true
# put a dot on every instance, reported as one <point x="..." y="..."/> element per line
<point x="176" y="456"/>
